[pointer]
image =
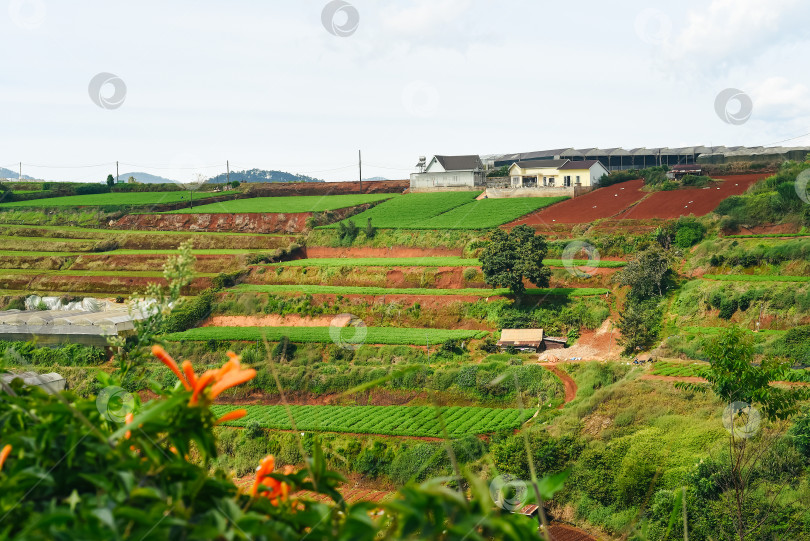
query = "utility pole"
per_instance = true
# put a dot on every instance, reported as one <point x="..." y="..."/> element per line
<point x="116" y="172"/>
<point x="227" y="171"/>
<point x="20" y="177"/>
<point x="360" y="168"/>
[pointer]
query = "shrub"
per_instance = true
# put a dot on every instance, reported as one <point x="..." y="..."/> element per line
<point x="189" y="313"/>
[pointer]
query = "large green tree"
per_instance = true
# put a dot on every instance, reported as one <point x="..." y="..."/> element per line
<point x="510" y="256"/>
<point x="648" y="275"/>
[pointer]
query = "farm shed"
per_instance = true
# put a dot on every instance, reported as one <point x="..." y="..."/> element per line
<point x="521" y="339"/>
<point x="49" y="327"/>
<point x="50" y="382"/>
<point x="449" y="173"/>
<point x="678" y="171"/>
<point x="554" y="342"/>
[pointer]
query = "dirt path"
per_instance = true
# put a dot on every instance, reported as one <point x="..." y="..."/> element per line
<point x="569" y="384"/>
<point x="598" y="345"/>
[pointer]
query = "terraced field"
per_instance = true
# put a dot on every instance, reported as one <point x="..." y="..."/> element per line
<point x="420" y="421"/>
<point x="755" y="278"/>
<point x="299" y="203"/>
<point x="114" y="199"/>
<point x="351" y="335"/>
<point x="411" y="210"/>
<point x="363" y="290"/>
<point x="448" y="261"/>
<point x="488" y="213"/>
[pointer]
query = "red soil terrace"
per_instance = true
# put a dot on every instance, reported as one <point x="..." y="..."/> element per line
<point x="601" y="203"/>
<point x="626" y="201"/>
<point x="697" y="201"/>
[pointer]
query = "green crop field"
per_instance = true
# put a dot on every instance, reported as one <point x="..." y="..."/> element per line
<point x="755" y="278"/>
<point x="113" y="199"/>
<point x="680" y="369"/>
<point x="419" y="421"/>
<point x="369" y="290"/>
<point x="716" y="330"/>
<point x="350" y="335"/>
<point x="446" y="261"/>
<point x="122" y="274"/>
<point x="767" y="235"/>
<point x="409" y="211"/>
<point x="699" y="370"/>
<point x="298" y="203"/>
<point x="488" y="213"/>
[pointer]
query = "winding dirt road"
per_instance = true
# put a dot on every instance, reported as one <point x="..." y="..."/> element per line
<point x="569" y="384"/>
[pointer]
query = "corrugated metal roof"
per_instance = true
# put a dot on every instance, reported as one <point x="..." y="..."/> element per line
<point x="534" y="164"/>
<point x="521" y="335"/>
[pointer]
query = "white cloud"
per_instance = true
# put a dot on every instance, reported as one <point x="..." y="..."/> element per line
<point x="729" y="31"/>
<point x="424" y="16"/>
<point x="780" y="98"/>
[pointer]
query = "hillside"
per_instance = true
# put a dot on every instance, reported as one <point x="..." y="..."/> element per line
<point x="12" y="175"/>
<point x="373" y="316"/>
<point x="146" y="178"/>
<point x="262" y="175"/>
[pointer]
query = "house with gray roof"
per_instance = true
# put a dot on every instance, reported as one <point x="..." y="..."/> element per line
<point x="449" y="173"/>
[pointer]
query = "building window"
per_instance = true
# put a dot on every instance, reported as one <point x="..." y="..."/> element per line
<point x="567" y="180"/>
<point x="577" y="179"/>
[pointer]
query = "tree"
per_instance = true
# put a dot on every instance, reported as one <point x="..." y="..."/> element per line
<point x="639" y="323"/>
<point x="648" y="275"/>
<point x="131" y="180"/>
<point x="110" y="181"/>
<point x="370" y="230"/>
<point x="509" y="257"/>
<point x="735" y="379"/>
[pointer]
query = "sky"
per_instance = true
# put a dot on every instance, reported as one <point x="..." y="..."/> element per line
<point x="302" y="85"/>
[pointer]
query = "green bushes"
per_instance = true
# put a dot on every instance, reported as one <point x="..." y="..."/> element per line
<point x="772" y="200"/>
<point x="22" y="353"/>
<point x="189" y="313"/>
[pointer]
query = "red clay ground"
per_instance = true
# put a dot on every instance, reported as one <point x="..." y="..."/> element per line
<point x="601" y="203"/>
<point x="697" y="201"/>
<point x="626" y="201"/>
<point x="569" y="384"/>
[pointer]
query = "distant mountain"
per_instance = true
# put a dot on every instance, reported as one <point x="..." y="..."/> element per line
<point x="13" y="175"/>
<point x="375" y="178"/>
<point x="262" y="175"/>
<point x="146" y="178"/>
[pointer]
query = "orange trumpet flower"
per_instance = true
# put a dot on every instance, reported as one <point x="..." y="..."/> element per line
<point x="166" y="359"/>
<point x="232" y="416"/>
<point x="127" y="420"/>
<point x="229" y="375"/>
<point x="4" y="454"/>
<point x="279" y="490"/>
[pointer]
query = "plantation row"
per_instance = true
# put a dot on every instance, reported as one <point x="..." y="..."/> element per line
<point x="114" y="199"/>
<point x="369" y="290"/>
<point x="348" y="335"/>
<point x="699" y="370"/>
<point x="296" y="203"/>
<point x="448" y="210"/>
<point x="447" y="261"/>
<point x="421" y="421"/>
<point x="755" y="278"/>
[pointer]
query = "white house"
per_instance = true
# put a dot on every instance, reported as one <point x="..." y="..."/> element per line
<point x="449" y="173"/>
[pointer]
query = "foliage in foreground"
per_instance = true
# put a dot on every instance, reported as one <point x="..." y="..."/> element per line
<point x="112" y="468"/>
